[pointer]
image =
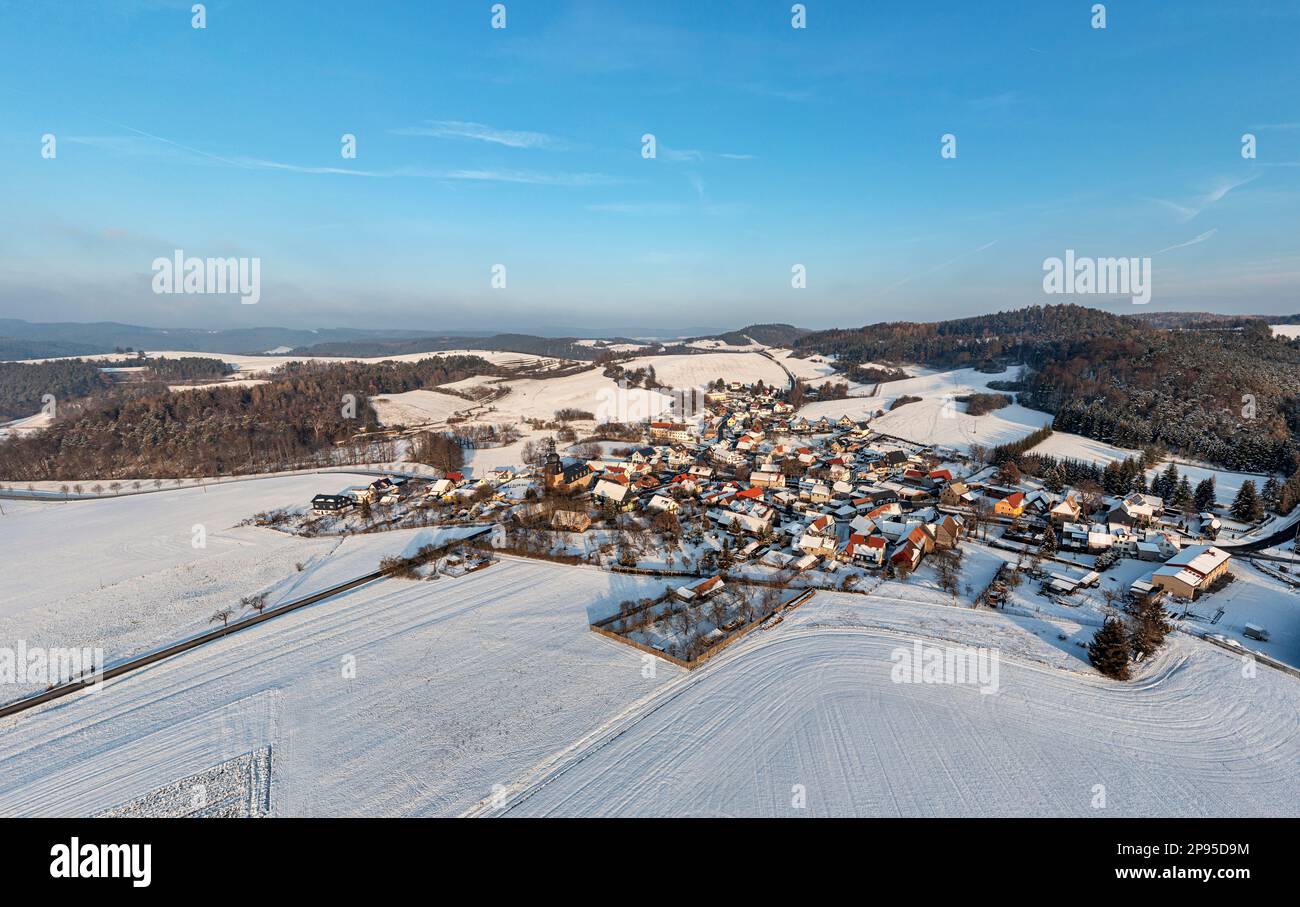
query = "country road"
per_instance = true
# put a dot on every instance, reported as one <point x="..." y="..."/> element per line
<point x="135" y="664"/>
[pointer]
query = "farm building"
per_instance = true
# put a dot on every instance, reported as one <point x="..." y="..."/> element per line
<point x="1191" y="571"/>
<point x="331" y="503"/>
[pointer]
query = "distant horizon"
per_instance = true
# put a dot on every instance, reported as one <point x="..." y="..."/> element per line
<point x="663" y="335"/>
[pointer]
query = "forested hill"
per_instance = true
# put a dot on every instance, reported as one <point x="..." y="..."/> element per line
<point x="767" y="334"/>
<point x="292" y="421"/>
<point x="966" y="342"/>
<point x="1231" y="397"/>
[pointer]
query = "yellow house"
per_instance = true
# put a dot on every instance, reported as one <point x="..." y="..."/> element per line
<point x="1011" y="505"/>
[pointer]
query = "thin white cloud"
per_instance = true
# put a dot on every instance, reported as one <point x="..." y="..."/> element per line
<point x="260" y="164"/>
<point x="939" y="267"/>
<point x="1222" y="188"/>
<point x="697" y="183"/>
<point x="132" y="146"/>
<point x="522" y="176"/>
<point x="478" y="132"/>
<point x="683" y="155"/>
<point x="1191" y="242"/>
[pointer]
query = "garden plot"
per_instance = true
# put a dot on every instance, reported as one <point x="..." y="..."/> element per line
<point x="690" y="621"/>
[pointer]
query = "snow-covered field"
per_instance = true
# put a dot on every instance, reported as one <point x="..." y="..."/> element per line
<point x="612" y="347"/>
<point x="937" y="419"/>
<point x="809" y="709"/>
<point x="459" y="685"/>
<point x="704" y="368"/>
<point x="124" y="574"/>
<point x="488" y="694"/>
<point x="816" y="370"/>
<point x="1290" y="331"/>
<point x="1066" y="446"/>
<point x="417" y="407"/>
<point x="724" y="346"/>
<point x="589" y="391"/>
<point x="259" y="365"/>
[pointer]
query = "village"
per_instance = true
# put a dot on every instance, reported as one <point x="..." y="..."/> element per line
<point x="744" y="499"/>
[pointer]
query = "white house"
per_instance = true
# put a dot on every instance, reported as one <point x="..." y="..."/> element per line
<point x="662" y="503"/>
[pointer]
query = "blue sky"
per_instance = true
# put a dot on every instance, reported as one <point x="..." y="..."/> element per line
<point x="522" y="146"/>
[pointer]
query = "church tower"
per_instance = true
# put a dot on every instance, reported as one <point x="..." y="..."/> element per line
<point x="552" y="469"/>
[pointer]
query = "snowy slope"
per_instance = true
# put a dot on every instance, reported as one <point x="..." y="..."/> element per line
<point x="460" y="684"/>
<point x="123" y="574"/>
<point x="810" y="369"/>
<point x="590" y="391"/>
<point x="683" y="371"/>
<point x="936" y="418"/>
<point x="417" y="407"/>
<point x="464" y="688"/>
<point x="811" y="703"/>
<point x="1067" y="446"/>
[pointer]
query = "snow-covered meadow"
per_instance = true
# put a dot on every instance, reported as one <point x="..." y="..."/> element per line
<point x="131" y="573"/>
<point x="1066" y="446"/>
<point x="417" y="407"/>
<point x="936" y="418"/>
<point x="698" y="370"/>
<point x="487" y="694"/>
<point x="402" y="697"/>
<point x="806" y="720"/>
